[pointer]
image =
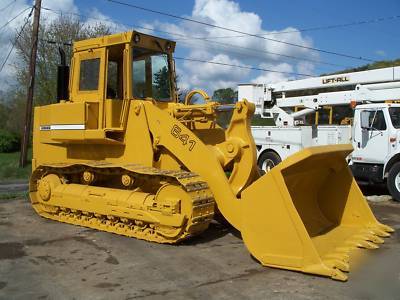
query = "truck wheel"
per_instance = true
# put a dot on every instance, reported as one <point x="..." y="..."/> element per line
<point x="393" y="181"/>
<point x="268" y="160"/>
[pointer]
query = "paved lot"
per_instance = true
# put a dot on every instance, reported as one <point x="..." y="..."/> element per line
<point x="43" y="259"/>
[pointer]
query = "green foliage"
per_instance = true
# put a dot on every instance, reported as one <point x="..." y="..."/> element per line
<point x="161" y="84"/>
<point x="64" y="29"/>
<point x="372" y="66"/>
<point x="9" y="142"/>
<point x="13" y="195"/>
<point x="225" y="96"/>
<point x="13" y="100"/>
<point x="9" y="167"/>
<point x="258" y="121"/>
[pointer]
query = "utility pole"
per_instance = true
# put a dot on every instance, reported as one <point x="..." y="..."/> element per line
<point x="31" y="84"/>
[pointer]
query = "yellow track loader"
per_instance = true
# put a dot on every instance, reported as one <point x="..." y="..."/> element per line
<point x="118" y="152"/>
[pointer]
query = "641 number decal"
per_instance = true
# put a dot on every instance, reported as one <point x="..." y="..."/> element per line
<point x="176" y="132"/>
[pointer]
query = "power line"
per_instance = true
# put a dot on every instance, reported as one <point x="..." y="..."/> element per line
<point x="240" y="32"/>
<point x="203" y="61"/>
<point x="16" y="39"/>
<point x="362" y="22"/>
<point x="60" y="12"/>
<point x="273" y="53"/>
<point x="12" y="19"/>
<point x="179" y="58"/>
<point x="208" y="41"/>
<point x="241" y="66"/>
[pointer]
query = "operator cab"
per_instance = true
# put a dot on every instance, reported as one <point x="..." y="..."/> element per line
<point x="110" y="71"/>
<point x="106" y="74"/>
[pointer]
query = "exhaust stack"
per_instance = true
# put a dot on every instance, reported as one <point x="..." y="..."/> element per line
<point x="62" y="77"/>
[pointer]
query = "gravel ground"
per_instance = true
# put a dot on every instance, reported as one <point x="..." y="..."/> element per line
<point x="43" y="259"/>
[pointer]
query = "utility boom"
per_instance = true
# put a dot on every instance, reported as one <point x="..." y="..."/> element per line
<point x="279" y="99"/>
<point x="375" y="132"/>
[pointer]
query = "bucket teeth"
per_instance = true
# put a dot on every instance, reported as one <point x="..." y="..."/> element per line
<point x="368" y="236"/>
<point x="375" y="239"/>
<point x="386" y="228"/>
<point x="380" y="232"/>
<point x="338" y="275"/>
<point x="360" y="242"/>
<point x="345" y="267"/>
<point x="367" y="245"/>
<point x="339" y="264"/>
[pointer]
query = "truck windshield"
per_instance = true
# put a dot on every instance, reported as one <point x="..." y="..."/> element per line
<point x="150" y="76"/>
<point x="394" y="113"/>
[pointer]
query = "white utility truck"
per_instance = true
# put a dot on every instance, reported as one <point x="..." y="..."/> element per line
<point x="365" y="101"/>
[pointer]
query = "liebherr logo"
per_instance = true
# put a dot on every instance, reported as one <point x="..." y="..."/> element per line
<point x="335" y="79"/>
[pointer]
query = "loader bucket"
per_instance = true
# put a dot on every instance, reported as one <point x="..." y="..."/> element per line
<point x="308" y="214"/>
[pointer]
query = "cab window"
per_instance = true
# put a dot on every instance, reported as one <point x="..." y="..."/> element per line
<point x="151" y="75"/>
<point x="89" y="74"/>
<point x="376" y="119"/>
<point x="115" y="86"/>
<point x="394" y="113"/>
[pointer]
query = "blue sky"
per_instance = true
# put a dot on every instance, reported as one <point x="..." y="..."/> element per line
<point x="377" y="41"/>
<point x="361" y="40"/>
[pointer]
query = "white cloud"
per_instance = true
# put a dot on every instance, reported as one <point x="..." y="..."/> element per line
<point x="272" y="77"/>
<point x="95" y="16"/>
<point x="58" y="5"/>
<point x="50" y="12"/>
<point x="211" y="76"/>
<point x="7" y="34"/>
<point x="224" y="13"/>
<point x="6" y="38"/>
<point x="228" y="14"/>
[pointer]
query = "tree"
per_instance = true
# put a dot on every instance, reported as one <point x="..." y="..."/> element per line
<point x="225" y="96"/>
<point x="52" y="34"/>
<point x="371" y="66"/>
<point x="161" y="84"/>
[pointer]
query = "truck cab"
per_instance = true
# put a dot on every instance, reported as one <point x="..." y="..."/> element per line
<point x="376" y="138"/>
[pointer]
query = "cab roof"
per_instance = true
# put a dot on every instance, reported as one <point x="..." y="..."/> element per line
<point x="135" y="38"/>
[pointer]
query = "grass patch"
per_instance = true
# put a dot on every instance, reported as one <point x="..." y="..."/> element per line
<point x="13" y="195"/>
<point x="9" y="167"/>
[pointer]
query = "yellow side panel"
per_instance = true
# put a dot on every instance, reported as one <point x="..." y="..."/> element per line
<point x="67" y="113"/>
<point x="92" y="115"/>
<point x="113" y="113"/>
<point x="68" y="116"/>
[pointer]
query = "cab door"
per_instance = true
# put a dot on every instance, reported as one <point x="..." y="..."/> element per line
<point x="88" y="85"/>
<point x="371" y="137"/>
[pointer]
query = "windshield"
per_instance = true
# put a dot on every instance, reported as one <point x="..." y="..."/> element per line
<point x="150" y="76"/>
<point x="394" y="113"/>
